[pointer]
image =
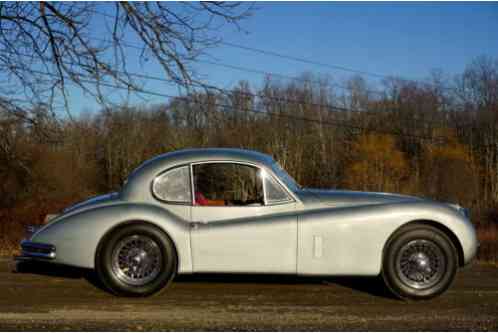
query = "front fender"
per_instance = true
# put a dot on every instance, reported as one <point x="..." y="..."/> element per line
<point x="76" y="236"/>
<point x="350" y="240"/>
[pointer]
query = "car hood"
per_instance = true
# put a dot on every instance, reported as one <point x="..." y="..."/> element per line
<point x="97" y="200"/>
<point x="316" y="198"/>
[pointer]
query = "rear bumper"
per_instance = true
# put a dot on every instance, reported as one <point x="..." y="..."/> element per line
<point x="38" y="251"/>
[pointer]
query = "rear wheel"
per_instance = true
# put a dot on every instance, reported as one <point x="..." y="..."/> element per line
<point x="136" y="260"/>
<point x="420" y="262"/>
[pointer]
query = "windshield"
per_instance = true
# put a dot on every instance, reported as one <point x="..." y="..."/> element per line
<point x="285" y="177"/>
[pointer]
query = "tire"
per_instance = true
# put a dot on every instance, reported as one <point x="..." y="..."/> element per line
<point x="420" y="262"/>
<point x="136" y="260"/>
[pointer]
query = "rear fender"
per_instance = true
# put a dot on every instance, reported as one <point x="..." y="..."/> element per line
<point x="77" y="235"/>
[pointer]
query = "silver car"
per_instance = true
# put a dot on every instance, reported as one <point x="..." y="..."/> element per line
<point x="238" y="211"/>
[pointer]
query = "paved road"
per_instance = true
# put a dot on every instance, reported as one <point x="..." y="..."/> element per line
<point x="65" y="300"/>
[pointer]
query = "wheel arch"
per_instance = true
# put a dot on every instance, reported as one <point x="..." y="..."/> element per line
<point x="441" y="227"/>
<point x="127" y="223"/>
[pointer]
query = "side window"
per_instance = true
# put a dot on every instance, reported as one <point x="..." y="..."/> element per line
<point x="274" y="191"/>
<point x="173" y="185"/>
<point x="227" y="184"/>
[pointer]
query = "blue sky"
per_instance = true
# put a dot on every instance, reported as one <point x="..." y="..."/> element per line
<point x="402" y="39"/>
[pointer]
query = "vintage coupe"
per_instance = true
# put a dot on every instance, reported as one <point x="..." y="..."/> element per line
<point x="238" y="211"/>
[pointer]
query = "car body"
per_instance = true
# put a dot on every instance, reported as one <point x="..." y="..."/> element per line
<point x="271" y="226"/>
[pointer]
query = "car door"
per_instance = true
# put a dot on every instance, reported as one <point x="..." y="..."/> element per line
<point x="237" y="226"/>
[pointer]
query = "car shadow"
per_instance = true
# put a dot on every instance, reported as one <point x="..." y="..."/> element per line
<point x="370" y="285"/>
<point x="59" y="271"/>
<point x="374" y="286"/>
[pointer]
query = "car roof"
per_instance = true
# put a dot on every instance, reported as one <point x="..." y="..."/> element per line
<point x="185" y="156"/>
<point x="134" y="188"/>
<point x="206" y="154"/>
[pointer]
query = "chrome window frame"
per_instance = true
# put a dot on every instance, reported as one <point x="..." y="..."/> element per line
<point x="292" y="197"/>
<point x="282" y="187"/>
<point x="157" y="197"/>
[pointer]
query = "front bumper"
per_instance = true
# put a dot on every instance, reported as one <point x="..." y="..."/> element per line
<point x="33" y="250"/>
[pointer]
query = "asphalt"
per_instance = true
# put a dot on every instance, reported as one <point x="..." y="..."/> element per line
<point x="61" y="299"/>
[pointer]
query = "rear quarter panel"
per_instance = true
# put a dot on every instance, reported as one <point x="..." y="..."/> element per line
<point x="77" y="235"/>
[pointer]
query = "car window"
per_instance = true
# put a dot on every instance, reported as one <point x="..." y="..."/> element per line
<point x="275" y="193"/>
<point x="285" y="177"/>
<point x="173" y="185"/>
<point x="227" y="184"/>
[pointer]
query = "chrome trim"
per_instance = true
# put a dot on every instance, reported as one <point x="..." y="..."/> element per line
<point x="261" y="167"/>
<point x="37" y="250"/>
<point x="160" y="174"/>
<point x="421" y="264"/>
<point x="31" y="230"/>
<point x="137" y="260"/>
<point x="192" y="189"/>
<point x="262" y="176"/>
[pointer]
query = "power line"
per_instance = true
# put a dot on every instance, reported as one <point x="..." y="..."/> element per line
<point x="316" y="63"/>
<point x="301" y="60"/>
<point x="275" y="54"/>
<point x="252" y="70"/>
<point x="227" y="93"/>
<point x="261" y="72"/>
<point x="256" y="71"/>
<point x="256" y="111"/>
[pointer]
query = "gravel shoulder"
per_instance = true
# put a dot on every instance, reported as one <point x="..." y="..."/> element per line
<point x="55" y="299"/>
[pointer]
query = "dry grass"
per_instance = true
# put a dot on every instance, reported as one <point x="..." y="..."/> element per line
<point x="8" y="247"/>
<point x="10" y="238"/>
<point x="488" y="238"/>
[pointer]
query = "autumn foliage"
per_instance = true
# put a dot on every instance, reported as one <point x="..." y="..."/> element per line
<point x="376" y="164"/>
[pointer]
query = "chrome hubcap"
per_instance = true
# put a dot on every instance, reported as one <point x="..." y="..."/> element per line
<point x="136" y="260"/>
<point x="421" y="264"/>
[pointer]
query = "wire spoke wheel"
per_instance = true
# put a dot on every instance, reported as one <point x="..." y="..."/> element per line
<point x="421" y="264"/>
<point x="137" y="260"/>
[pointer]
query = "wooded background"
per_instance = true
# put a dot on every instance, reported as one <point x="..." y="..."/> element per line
<point x="436" y="139"/>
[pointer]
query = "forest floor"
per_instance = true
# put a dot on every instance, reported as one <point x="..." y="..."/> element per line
<point x="54" y="299"/>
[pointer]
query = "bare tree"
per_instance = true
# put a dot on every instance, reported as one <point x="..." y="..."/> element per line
<point x="477" y="92"/>
<point x="45" y="47"/>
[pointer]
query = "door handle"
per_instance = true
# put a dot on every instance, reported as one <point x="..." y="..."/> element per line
<point x="196" y="224"/>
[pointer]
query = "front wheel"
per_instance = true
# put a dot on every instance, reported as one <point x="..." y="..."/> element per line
<point x="136" y="260"/>
<point x="420" y="262"/>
